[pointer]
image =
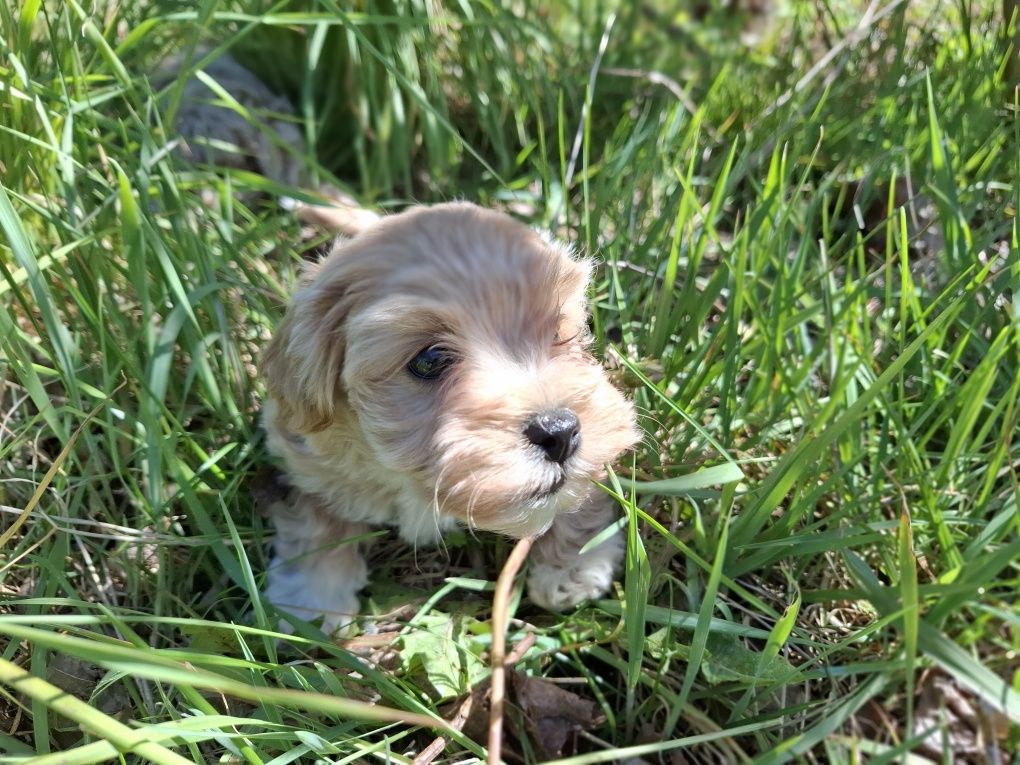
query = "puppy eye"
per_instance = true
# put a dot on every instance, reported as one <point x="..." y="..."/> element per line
<point x="431" y="363"/>
<point x="560" y="340"/>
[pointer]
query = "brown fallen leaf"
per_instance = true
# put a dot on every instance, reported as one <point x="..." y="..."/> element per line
<point x="552" y="715"/>
<point x="971" y="730"/>
<point x="537" y="709"/>
<point x="81" y="679"/>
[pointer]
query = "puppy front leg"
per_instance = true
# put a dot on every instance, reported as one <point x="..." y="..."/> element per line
<point x="316" y="570"/>
<point x="560" y="576"/>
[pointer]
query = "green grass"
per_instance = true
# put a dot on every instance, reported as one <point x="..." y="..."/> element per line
<point x="809" y="289"/>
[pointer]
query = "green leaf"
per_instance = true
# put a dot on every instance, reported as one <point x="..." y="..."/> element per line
<point x="729" y="660"/>
<point x="435" y="647"/>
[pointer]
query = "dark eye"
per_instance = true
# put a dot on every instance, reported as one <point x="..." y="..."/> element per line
<point x="560" y="339"/>
<point x="430" y="363"/>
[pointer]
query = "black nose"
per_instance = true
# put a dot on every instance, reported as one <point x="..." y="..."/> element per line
<point x="557" y="432"/>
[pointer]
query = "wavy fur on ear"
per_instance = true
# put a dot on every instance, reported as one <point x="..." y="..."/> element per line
<point x="304" y="360"/>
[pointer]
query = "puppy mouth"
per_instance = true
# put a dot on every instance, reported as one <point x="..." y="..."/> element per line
<point x="548" y="491"/>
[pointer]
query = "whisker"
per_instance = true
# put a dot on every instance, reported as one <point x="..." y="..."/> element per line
<point x="437" y="512"/>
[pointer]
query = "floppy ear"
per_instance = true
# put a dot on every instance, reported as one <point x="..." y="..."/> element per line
<point x="303" y="362"/>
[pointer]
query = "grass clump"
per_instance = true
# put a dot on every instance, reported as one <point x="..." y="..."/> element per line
<point x="807" y="221"/>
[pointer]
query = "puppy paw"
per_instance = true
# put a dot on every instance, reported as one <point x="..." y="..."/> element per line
<point x="291" y="590"/>
<point x="562" y="587"/>
<point x="561" y="576"/>
<point x="317" y="567"/>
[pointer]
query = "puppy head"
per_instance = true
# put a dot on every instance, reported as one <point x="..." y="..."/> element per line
<point x="452" y="341"/>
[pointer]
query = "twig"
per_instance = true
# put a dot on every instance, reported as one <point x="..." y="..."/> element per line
<point x="500" y="618"/>
<point x="853" y="39"/>
<point x="433" y="750"/>
<point x="857" y="35"/>
<point x="656" y="78"/>
<point x="519" y="650"/>
<point x="438" y="745"/>
<point x="336" y="217"/>
<point x="667" y="82"/>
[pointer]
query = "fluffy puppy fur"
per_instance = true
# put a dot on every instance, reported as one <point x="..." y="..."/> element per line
<point x="370" y="432"/>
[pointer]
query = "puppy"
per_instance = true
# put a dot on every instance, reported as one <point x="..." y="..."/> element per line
<point x="433" y="372"/>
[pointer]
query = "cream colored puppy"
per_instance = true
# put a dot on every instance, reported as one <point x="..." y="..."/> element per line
<point x="433" y="372"/>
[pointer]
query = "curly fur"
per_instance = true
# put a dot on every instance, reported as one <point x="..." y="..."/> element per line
<point x="366" y="442"/>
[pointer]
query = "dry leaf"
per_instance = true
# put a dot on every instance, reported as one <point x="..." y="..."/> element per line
<point x="551" y="714"/>
<point x="970" y="730"/>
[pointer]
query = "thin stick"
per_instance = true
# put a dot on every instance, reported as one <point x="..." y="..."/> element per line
<point x="500" y="619"/>
<point x="522" y="647"/>
<point x="433" y="750"/>
<point x="438" y="745"/>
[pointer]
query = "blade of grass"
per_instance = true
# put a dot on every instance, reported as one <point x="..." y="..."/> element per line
<point x="123" y="738"/>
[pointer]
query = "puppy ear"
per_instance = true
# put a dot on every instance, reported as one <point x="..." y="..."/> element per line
<point x="304" y="360"/>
